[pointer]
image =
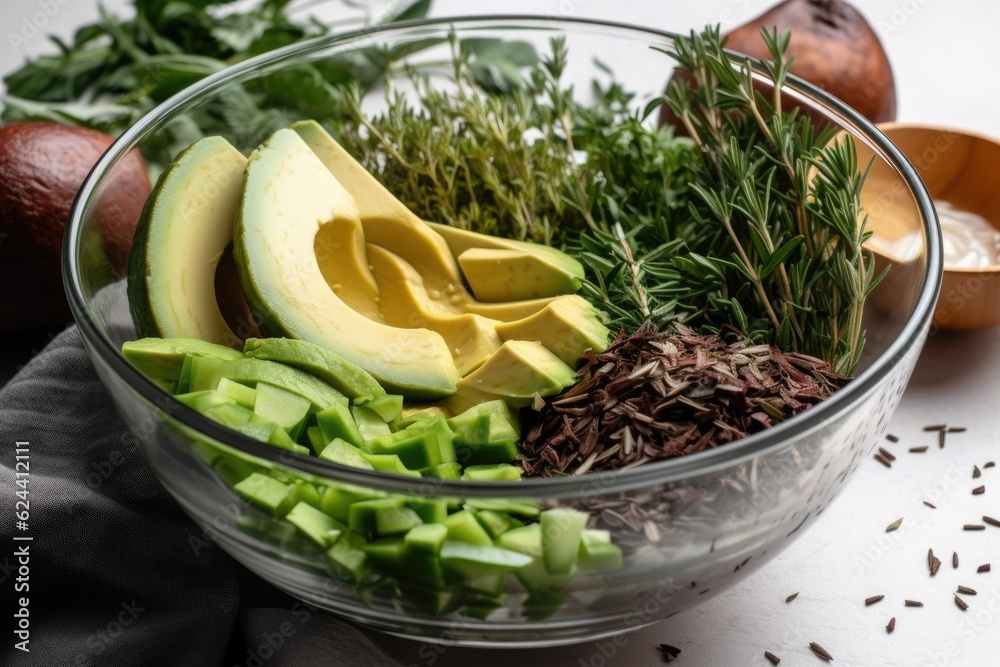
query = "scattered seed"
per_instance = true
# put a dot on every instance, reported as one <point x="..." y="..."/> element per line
<point x="979" y="490"/>
<point x="886" y="454"/>
<point x="990" y="520"/>
<point x="941" y="435"/>
<point x="820" y="651"/>
<point x="913" y="603"/>
<point x="931" y="505"/>
<point x="930" y="557"/>
<point x="989" y="464"/>
<point x="983" y="568"/>
<point x="873" y="599"/>
<point x="956" y="429"/>
<point x="966" y="590"/>
<point x="891" y="625"/>
<point x="918" y="450"/>
<point x="884" y="461"/>
<point x="772" y="657"/>
<point x="935" y="427"/>
<point x="954" y="559"/>
<point x="669" y="652"/>
<point x="791" y="597"/>
<point x="962" y="604"/>
<point x="894" y="525"/>
<point x="975" y="472"/>
<point x="891" y="438"/>
<point x="935" y="566"/>
<point x="974" y="526"/>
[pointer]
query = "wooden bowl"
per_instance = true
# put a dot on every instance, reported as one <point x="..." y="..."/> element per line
<point x="957" y="167"/>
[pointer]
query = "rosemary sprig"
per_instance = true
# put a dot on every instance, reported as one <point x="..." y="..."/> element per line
<point x="786" y="194"/>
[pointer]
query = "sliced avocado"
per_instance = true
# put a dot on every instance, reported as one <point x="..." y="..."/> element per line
<point x="287" y="196"/>
<point x="387" y="221"/>
<point x="184" y="229"/>
<point x="461" y="240"/>
<point x="163" y="358"/>
<point x="207" y="372"/>
<point x="470" y="338"/>
<point x="509" y="311"/>
<point x="499" y="274"/>
<point x="516" y="372"/>
<point x="568" y="327"/>
<point x="349" y="379"/>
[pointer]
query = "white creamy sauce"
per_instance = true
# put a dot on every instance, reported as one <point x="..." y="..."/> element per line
<point x="970" y="241"/>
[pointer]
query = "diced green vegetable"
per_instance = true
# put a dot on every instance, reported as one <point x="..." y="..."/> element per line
<point x="238" y="393"/>
<point x="430" y="510"/>
<point x="348" y="560"/>
<point x="369" y="423"/>
<point x="163" y="358"/>
<point x="314" y="524"/>
<point x="496" y="472"/>
<point x="561" y="531"/>
<point x="495" y="523"/>
<point x="395" y="520"/>
<point x="464" y="527"/>
<point x="201" y="401"/>
<point x="337" y="422"/>
<point x="363" y="515"/>
<point x="388" y="406"/>
<point x="287" y="410"/>
<point x="266" y="493"/>
<point x="386" y="555"/>
<point x="444" y="471"/>
<point x="345" y="454"/>
<point x="207" y="372"/>
<point x="471" y="560"/>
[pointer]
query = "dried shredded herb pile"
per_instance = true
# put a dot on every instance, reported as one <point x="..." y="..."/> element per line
<point x="656" y="395"/>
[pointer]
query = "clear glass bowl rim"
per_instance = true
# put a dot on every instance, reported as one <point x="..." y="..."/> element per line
<point x="659" y="472"/>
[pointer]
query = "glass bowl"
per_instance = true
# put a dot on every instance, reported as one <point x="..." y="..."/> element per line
<point x="689" y="527"/>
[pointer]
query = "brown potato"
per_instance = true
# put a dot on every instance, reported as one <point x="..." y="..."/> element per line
<point x="42" y="166"/>
<point x="834" y="47"/>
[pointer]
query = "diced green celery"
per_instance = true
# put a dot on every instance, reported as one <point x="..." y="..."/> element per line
<point x="322" y="529"/>
<point x="490" y="585"/>
<point x="395" y="520"/>
<point x="305" y="492"/>
<point x="528" y="508"/>
<point x="429" y="600"/>
<point x="202" y="401"/>
<point x="229" y="414"/>
<point x="338" y="499"/>
<point x="496" y="472"/>
<point x="561" y="531"/>
<point x="426" y="538"/>
<point x="238" y="393"/>
<point x="388" y="406"/>
<point x="370" y="423"/>
<point x="287" y="410"/>
<point x="471" y="561"/>
<point x="599" y="557"/>
<point x="279" y="438"/>
<point x="450" y="470"/>
<point x="417" y="449"/>
<point x="386" y="555"/>
<point x="318" y="442"/>
<point x="386" y="462"/>
<point x="495" y="523"/>
<point x="266" y="493"/>
<point x="430" y="510"/>
<point x="464" y="527"/>
<point x="337" y="422"/>
<point x="345" y="454"/>
<point x="362" y="515"/>
<point x="348" y="560"/>
<point x="540" y="605"/>
<point x="526" y="540"/>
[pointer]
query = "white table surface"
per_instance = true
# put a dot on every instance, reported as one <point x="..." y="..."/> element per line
<point x="846" y="556"/>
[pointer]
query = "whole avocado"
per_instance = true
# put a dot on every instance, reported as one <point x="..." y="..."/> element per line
<point x="42" y="166"/>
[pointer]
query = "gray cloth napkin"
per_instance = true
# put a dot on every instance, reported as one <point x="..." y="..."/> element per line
<point x="118" y="574"/>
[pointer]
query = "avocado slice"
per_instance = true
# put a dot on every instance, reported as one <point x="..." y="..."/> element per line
<point x="180" y="238"/>
<point x="500" y="274"/>
<point x="163" y="358"/>
<point x="387" y="221"/>
<point x="471" y="338"/>
<point x="288" y="196"/>
<point x="461" y="240"/>
<point x="567" y="327"/>
<point x="515" y="373"/>
<point x="349" y="379"/>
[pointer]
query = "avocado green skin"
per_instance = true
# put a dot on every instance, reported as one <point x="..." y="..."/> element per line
<point x="139" y="269"/>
